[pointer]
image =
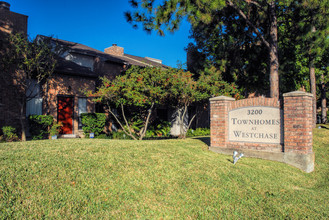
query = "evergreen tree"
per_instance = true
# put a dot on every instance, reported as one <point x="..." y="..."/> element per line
<point x="300" y="25"/>
<point x="227" y="44"/>
<point x="254" y="13"/>
<point x="304" y="39"/>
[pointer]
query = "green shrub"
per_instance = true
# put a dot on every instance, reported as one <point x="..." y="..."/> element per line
<point x="9" y="133"/>
<point x="55" y="128"/>
<point x="93" y="123"/>
<point x="198" y="132"/>
<point x="158" y="129"/>
<point x="39" y="126"/>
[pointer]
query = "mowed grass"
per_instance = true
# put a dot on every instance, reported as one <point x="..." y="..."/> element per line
<point x="169" y="179"/>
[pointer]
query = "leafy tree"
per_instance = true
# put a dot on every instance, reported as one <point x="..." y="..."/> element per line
<point x="137" y="91"/>
<point x="211" y="84"/>
<point x="140" y="89"/>
<point x="183" y="90"/>
<point x="25" y="60"/>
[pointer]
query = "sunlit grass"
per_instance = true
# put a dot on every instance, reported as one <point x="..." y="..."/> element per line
<point x="94" y="178"/>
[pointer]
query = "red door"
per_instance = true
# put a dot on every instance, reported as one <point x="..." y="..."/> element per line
<point x="65" y="114"/>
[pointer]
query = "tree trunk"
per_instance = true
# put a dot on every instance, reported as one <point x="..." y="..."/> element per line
<point x="313" y="89"/>
<point x="122" y="127"/>
<point x="274" y="58"/>
<point x="323" y="101"/>
<point x="182" y="124"/>
<point x="272" y="44"/>
<point x="22" y="121"/>
<point x="143" y="131"/>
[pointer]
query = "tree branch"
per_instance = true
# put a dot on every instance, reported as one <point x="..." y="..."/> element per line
<point x="230" y="3"/>
<point x="147" y="121"/>
<point x="118" y="121"/>
<point x="254" y="3"/>
<point x="182" y="130"/>
<point x="189" y="124"/>
<point x="124" y="118"/>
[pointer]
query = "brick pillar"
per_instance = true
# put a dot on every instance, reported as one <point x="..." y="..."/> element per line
<point x="219" y="120"/>
<point x="298" y="126"/>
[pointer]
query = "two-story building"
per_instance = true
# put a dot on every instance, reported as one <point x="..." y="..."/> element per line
<point x="78" y="68"/>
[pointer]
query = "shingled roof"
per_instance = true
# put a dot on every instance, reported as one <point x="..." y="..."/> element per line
<point x="140" y="61"/>
<point x="125" y="59"/>
<point x="83" y="49"/>
<point x="70" y="68"/>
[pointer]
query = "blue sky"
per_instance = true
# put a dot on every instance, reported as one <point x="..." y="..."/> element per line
<point x="99" y="24"/>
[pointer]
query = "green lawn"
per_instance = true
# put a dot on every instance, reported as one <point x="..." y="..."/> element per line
<point x="170" y="179"/>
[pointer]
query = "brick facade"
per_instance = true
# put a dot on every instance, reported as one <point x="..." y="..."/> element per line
<point x="79" y="68"/>
<point x="296" y="147"/>
<point x="11" y="22"/>
<point x="67" y="86"/>
<point x="298" y="124"/>
<point x="10" y="93"/>
<point x="220" y="107"/>
<point x="114" y="50"/>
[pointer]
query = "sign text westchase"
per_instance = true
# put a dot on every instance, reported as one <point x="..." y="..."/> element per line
<point x="255" y="124"/>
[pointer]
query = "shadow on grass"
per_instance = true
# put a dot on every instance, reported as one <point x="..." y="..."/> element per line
<point x="205" y="140"/>
<point x="325" y="126"/>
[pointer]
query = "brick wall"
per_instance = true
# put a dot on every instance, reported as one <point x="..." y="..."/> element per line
<point x="10" y="22"/>
<point x="296" y="129"/>
<point x="220" y="107"/>
<point x="70" y="86"/>
<point x="297" y="122"/>
<point x="108" y="69"/>
<point x="114" y="50"/>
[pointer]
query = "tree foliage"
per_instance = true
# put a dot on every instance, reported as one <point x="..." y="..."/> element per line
<point x="34" y="58"/>
<point x="245" y="38"/>
<point x="24" y="60"/>
<point x="226" y="44"/>
<point x="136" y="93"/>
<point x="254" y="17"/>
<point x="184" y="90"/>
<point x="138" y="90"/>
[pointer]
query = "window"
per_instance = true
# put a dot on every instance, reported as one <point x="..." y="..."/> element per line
<point x="82" y="60"/>
<point x="34" y="107"/>
<point x="82" y="105"/>
<point x="34" y="103"/>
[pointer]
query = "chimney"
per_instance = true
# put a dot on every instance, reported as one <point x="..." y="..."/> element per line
<point x="114" y="50"/>
<point x="4" y="5"/>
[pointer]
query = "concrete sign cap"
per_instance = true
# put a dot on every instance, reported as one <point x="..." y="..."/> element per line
<point x="297" y="93"/>
<point x="222" y="98"/>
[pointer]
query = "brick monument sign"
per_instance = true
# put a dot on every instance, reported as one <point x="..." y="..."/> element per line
<point x="265" y="128"/>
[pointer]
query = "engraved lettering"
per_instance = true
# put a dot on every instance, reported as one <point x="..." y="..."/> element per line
<point x="260" y="124"/>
